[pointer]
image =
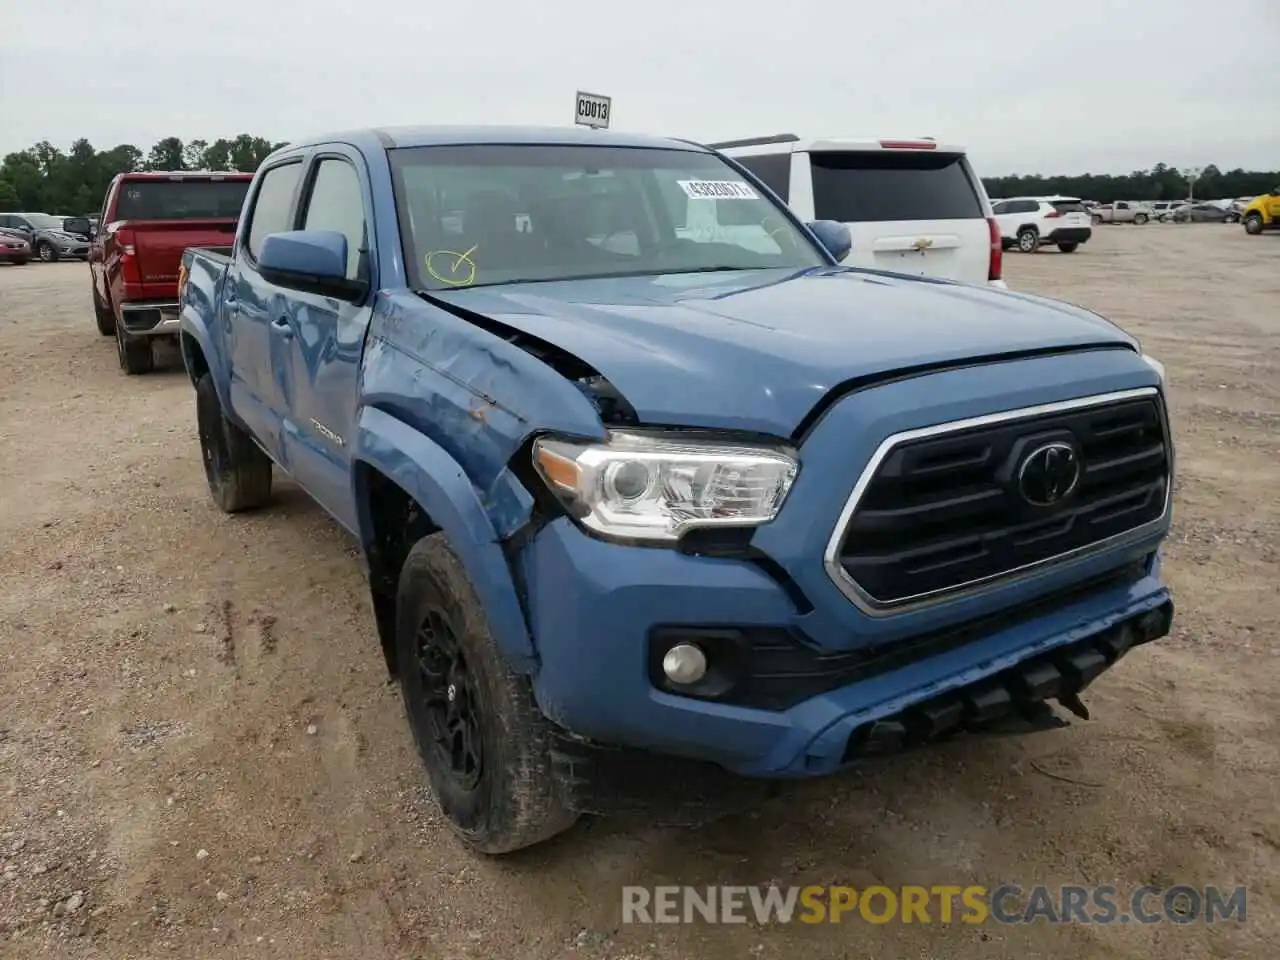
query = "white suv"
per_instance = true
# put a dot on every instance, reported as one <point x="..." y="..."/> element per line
<point x="1030" y="222"/>
<point x="912" y="206"/>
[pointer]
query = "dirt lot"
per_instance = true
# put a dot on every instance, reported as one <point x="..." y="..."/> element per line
<point x="200" y="755"/>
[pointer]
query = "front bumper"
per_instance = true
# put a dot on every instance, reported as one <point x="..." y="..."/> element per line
<point x="597" y="608"/>
<point x="150" y="318"/>
<point x="1069" y="235"/>
<point x="810" y="670"/>
<point x="72" y="248"/>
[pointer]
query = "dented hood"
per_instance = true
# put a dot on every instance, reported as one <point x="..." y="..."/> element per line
<point x="757" y="350"/>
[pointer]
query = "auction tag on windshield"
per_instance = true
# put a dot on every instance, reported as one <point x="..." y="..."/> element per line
<point x="718" y="190"/>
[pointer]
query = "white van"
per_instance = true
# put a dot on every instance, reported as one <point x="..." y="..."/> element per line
<point x="912" y="206"/>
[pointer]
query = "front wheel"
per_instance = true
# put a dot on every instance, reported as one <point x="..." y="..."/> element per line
<point x="1253" y="224"/>
<point x="1028" y="240"/>
<point x="239" y="474"/>
<point x="1068" y="247"/>
<point x="46" y="251"/>
<point x="485" y="744"/>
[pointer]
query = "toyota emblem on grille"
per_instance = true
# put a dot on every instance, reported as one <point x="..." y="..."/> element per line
<point x="1049" y="474"/>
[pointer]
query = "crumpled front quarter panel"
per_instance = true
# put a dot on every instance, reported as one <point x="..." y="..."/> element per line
<point x="479" y="397"/>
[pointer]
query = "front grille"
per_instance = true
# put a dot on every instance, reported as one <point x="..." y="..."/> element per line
<point x="952" y="508"/>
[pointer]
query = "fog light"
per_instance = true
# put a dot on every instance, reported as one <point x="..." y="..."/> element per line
<point x="684" y="663"/>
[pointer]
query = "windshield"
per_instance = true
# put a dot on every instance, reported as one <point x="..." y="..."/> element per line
<point x="492" y="213"/>
<point x="42" y="221"/>
<point x="181" y="199"/>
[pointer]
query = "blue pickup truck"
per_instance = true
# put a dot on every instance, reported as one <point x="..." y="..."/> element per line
<point x="646" y="484"/>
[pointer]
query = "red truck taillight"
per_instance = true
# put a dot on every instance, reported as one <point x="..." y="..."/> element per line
<point x="995" y="266"/>
<point x="130" y="270"/>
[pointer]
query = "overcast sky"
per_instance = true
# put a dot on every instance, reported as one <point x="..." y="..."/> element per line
<point x="1028" y="85"/>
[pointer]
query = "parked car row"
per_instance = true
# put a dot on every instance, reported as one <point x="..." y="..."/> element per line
<point x="49" y="238"/>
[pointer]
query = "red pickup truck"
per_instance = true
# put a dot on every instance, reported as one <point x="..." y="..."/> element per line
<point x="147" y="220"/>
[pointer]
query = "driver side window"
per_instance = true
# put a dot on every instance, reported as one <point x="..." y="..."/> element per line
<point x="337" y="203"/>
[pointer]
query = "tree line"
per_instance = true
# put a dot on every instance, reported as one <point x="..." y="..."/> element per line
<point x="44" y="179"/>
<point x="1161" y="182"/>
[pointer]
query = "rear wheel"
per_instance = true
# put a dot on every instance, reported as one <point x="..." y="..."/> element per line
<point x="1028" y="240"/>
<point x="1140" y="218"/>
<point x="239" y="474"/>
<point x="1068" y="247"/>
<point x="483" y="740"/>
<point x="105" y="318"/>
<point x="134" y="353"/>
<point x="1253" y="224"/>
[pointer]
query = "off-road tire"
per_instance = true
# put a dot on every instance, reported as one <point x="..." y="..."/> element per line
<point x="1068" y="247"/>
<point x="134" y="353"/>
<point x="1140" y="218"/>
<point x="1253" y="224"/>
<point x="105" y="319"/>
<point x="1028" y="240"/>
<point x="516" y="800"/>
<point x="47" y="252"/>
<point x="239" y="473"/>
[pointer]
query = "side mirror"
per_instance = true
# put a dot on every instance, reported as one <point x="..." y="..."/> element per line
<point x="834" y="236"/>
<point x="77" y="225"/>
<point x="311" y="261"/>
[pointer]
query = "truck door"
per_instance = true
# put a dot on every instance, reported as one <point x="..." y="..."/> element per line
<point x="323" y="348"/>
<point x="252" y="304"/>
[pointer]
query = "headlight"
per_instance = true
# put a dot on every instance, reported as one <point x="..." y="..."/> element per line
<point x="642" y="487"/>
<point x="1155" y="365"/>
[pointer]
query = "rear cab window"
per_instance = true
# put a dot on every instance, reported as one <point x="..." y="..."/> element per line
<point x="773" y="169"/>
<point x="883" y="185"/>
<point x="180" y="199"/>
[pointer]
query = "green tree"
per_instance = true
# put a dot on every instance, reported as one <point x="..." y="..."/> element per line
<point x="217" y="156"/>
<point x="247" y="153"/>
<point x="166" y="155"/>
<point x="193" y="154"/>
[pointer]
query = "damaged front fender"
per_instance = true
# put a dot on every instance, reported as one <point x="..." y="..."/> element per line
<point x="435" y="480"/>
<point x="478" y="395"/>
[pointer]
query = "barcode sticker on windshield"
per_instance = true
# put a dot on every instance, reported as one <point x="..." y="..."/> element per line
<point x="717" y="190"/>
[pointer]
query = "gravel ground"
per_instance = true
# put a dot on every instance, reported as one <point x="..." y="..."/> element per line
<point x="200" y="754"/>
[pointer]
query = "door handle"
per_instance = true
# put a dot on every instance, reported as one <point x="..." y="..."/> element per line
<point x="281" y="326"/>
